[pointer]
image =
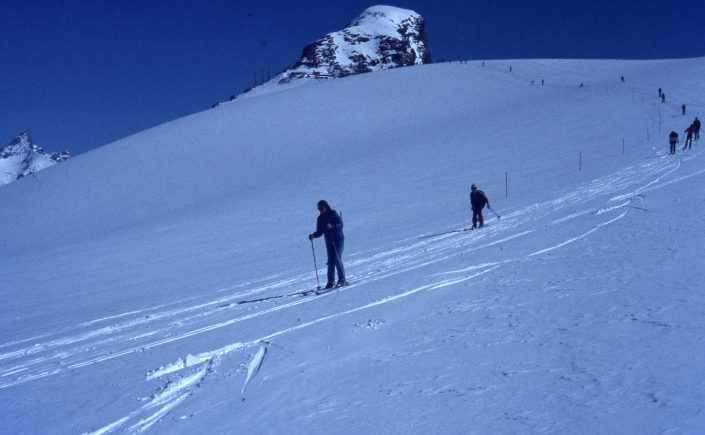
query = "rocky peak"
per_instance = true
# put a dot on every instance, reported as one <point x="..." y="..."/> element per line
<point x="22" y="157"/>
<point x="381" y="37"/>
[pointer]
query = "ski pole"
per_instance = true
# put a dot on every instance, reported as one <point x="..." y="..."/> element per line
<point x="498" y="216"/>
<point x="318" y="283"/>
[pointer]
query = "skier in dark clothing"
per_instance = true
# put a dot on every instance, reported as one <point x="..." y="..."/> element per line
<point x="478" y="200"/>
<point x="696" y="126"/>
<point x="330" y="225"/>
<point x="672" y="141"/>
<point x="689" y="137"/>
<point x="663" y="97"/>
<point x="683" y="109"/>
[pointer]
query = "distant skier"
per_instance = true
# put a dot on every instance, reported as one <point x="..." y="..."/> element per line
<point x="478" y="200"/>
<point x="672" y="141"/>
<point x="660" y="91"/>
<point x="683" y="109"/>
<point x="330" y="225"/>
<point x="663" y="97"/>
<point x="621" y="78"/>
<point x="696" y="126"/>
<point x="689" y="137"/>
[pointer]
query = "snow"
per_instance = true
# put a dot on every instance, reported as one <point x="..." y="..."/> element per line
<point x="382" y="20"/>
<point x="154" y="284"/>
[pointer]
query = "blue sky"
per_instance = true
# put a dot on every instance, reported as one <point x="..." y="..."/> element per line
<point x="80" y="74"/>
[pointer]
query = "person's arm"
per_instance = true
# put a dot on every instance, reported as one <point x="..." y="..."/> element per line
<point x="319" y="231"/>
<point x="337" y="222"/>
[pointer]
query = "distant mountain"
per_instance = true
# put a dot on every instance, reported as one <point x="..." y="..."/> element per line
<point x="21" y="157"/>
<point x="381" y="37"/>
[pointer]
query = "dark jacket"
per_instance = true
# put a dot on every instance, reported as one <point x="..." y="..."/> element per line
<point x="333" y="236"/>
<point x="673" y="137"/>
<point x="478" y="200"/>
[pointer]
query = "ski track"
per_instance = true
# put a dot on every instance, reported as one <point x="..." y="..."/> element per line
<point x="88" y="343"/>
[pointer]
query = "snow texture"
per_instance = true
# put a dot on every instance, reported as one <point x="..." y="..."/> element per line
<point x="157" y="284"/>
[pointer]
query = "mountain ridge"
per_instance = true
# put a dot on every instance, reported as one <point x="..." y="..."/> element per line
<point x="22" y="157"/>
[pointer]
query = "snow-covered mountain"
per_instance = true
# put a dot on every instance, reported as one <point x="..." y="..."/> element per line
<point x="155" y="284"/>
<point x="21" y="157"/>
<point x="382" y="37"/>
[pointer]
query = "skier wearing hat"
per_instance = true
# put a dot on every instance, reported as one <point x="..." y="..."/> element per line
<point x="478" y="200"/>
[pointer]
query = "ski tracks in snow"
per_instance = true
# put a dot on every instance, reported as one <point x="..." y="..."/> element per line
<point x="586" y="209"/>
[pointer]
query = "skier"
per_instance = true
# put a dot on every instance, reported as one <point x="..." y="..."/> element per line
<point x="478" y="200"/>
<point x="330" y="225"/>
<point x="673" y="140"/>
<point x="683" y="109"/>
<point x="663" y="97"/>
<point x="696" y="125"/>
<point x="659" y="92"/>
<point x="689" y="137"/>
<point x="621" y="78"/>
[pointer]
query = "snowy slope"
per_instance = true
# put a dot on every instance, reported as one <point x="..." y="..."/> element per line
<point x="152" y="283"/>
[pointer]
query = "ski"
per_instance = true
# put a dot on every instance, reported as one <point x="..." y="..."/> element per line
<point x="324" y="290"/>
<point x="447" y="232"/>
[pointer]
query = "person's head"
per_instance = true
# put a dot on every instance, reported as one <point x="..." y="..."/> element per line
<point x="473" y="187"/>
<point x="323" y="206"/>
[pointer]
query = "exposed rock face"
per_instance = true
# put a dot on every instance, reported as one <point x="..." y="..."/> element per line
<point x="21" y="157"/>
<point x="381" y="37"/>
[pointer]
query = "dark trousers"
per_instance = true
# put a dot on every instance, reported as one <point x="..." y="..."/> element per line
<point x="477" y="216"/>
<point x="688" y="142"/>
<point x="335" y="253"/>
<point x="673" y="147"/>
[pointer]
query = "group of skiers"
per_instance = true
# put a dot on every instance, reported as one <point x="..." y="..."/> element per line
<point x="691" y="133"/>
<point x="329" y="224"/>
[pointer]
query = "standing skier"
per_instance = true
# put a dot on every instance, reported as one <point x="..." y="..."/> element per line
<point x="689" y="137"/>
<point x="696" y="126"/>
<point x="330" y="225"/>
<point x="478" y="200"/>
<point x="672" y="140"/>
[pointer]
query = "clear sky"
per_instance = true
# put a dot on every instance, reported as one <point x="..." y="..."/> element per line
<point x="81" y="74"/>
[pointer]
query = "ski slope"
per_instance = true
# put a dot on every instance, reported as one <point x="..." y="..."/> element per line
<point x="155" y="284"/>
